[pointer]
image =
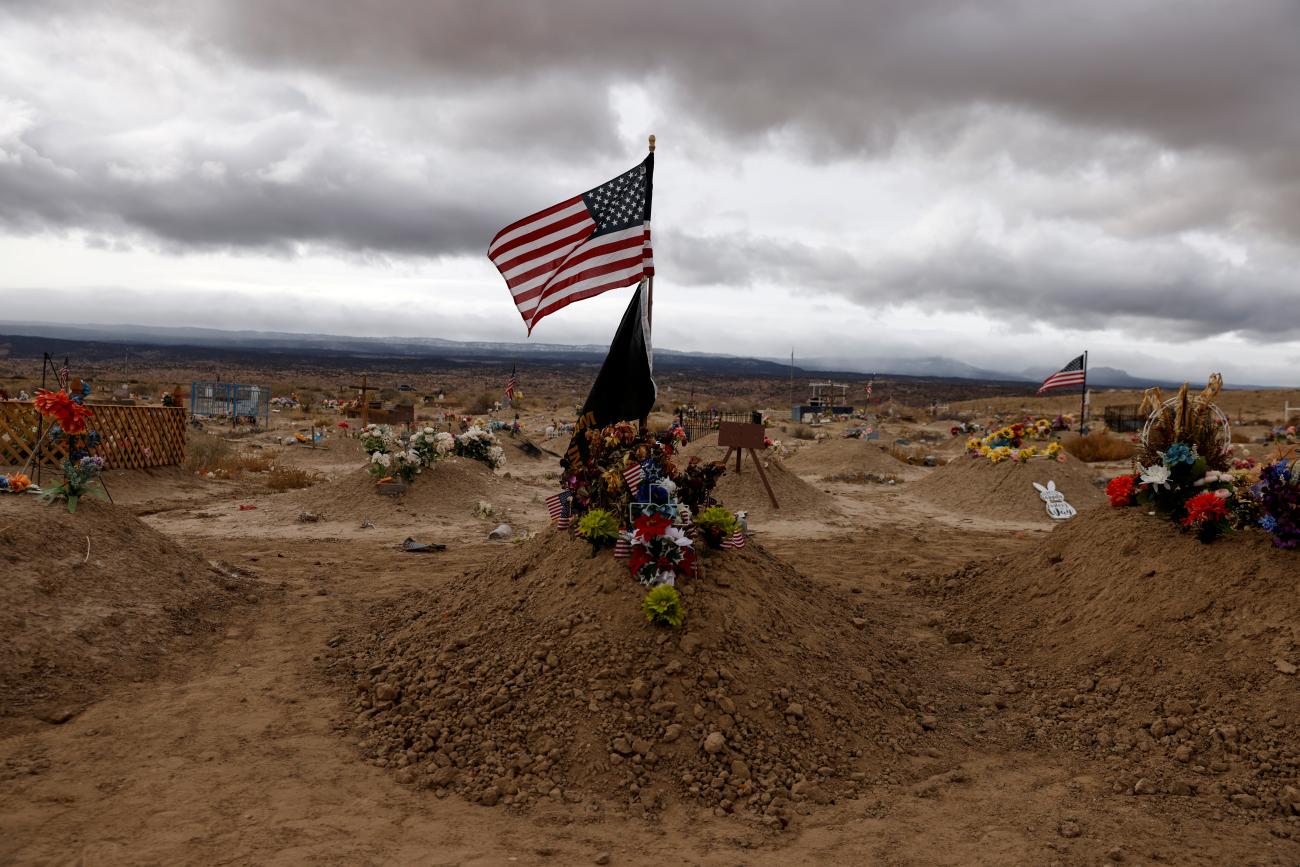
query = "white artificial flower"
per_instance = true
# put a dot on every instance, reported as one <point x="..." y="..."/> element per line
<point x="678" y="537"/>
<point x="1155" y="475"/>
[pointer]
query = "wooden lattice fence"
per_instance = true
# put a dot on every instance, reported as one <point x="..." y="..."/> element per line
<point x="131" y="437"/>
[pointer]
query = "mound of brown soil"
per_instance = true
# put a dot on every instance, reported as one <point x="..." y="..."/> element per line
<point x="539" y="677"/>
<point x="1177" y="656"/>
<point x="844" y="458"/>
<point x="449" y="488"/>
<point x="705" y="447"/>
<point x="75" y="617"/>
<point x="744" y="491"/>
<point x="1006" y="490"/>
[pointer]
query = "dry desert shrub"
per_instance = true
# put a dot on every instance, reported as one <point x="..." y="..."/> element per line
<point x="1097" y="446"/>
<point x="481" y="404"/>
<point x="205" y="451"/>
<point x="284" y="478"/>
<point x="803" y="432"/>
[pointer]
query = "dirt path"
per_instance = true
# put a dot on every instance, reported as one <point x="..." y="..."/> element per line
<point x="237" y="757"/>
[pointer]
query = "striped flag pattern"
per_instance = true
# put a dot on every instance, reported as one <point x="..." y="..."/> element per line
<point x="583" y="246"/>
<point x="634" y="475"/>
<point x="735" y="540"/>
<point x="622" y="548"/>
<point x="511" y="384"/>
<point x="557" y="506"/>
<point x="1072" y="374"/>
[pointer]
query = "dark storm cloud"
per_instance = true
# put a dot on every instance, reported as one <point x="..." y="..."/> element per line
<point x="1191" y="74"/>
<point x="422" y="127"/>
<point x="1165" y="291"/>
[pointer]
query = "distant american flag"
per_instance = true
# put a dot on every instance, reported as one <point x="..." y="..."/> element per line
<point x="511" y="384"/>
<point x="1072" y="374"/>
<point x="583" y="246"/>
<point x="735" y="540"/>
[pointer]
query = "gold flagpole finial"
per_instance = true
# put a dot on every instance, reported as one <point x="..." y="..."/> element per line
<point x="652" y="142"/>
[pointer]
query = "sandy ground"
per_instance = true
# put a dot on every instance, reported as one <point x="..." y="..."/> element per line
<point x="241" y="753"/>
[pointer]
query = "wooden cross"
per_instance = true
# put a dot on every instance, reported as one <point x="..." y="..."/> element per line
<point x="365" y="404"/>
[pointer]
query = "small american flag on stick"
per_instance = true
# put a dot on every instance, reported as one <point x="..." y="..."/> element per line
<point x="622" y="548"/>
<point x="557" y="506"/>
<point x="735" y="540"/>
<point x="633" y="475"/>
<point x="583" y="246"/>
<point x="1073" y="373"/>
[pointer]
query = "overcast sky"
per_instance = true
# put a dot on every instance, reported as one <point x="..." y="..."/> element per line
<point x="1005" y="183"/>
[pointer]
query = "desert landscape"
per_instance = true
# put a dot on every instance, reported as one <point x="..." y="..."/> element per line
<point x="236" y="661"/>
<point x="693" y="432"/>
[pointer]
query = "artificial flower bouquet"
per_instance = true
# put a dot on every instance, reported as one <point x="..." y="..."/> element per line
<point x="405" y="457"/>
<point x="715" y="524"/>
<point x="625" y="465"/>
<point x="79" y="480"/>
<point x="1277" y="497"/>
<point x="660" y="552"/>
<point x="17" y="483"/>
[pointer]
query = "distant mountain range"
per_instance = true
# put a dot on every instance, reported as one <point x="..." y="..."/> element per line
<point x="106" y="337"/>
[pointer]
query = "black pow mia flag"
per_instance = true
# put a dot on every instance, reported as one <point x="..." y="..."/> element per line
<point x="625" y="388"/>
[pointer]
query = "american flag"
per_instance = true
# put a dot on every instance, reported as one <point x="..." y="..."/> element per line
<point x="622" y="548"/>
<point x="511" y="383"/>
<point x="557" y="506"/>
<point x="633" y="475"/>
<point x="1073" y="373"/>
<point x="735" y="540"/>
<point x="583" y="246"/>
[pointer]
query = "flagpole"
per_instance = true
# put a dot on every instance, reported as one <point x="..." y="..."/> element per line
<point x="649" y="304"/>
<point x="1083" y="398"/>
<point x="650" y="288"/>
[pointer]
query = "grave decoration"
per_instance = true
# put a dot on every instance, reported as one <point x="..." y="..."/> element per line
<point x="17" y="483"/>
<point x="1057" y="508"/>
<point x="404" y="456"/>
<point x="1277" y="500"/>
<point x="1014" y="442"/>
<point x="70" y="421"/>
<point x="628" y="491"/>
<point x="1184" y="466"/>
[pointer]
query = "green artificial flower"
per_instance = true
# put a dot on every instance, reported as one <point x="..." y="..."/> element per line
<point x="663" y="606"/>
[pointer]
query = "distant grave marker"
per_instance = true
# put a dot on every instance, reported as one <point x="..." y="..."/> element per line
<point x="736" y="435"/>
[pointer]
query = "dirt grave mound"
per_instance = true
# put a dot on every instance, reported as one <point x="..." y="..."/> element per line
<point x="447" y="490"/>
<point x="77" y="614"/>
<point x="744" y="491"/>
<point x="1006" y="490"/>
<point x="849" y="459"/>
<point x="1178" y="657"/>
<point x="704" y="447"/>
<point x="539" y="677"/>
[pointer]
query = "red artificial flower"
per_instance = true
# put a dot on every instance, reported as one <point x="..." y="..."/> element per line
<point x="57" y="405"/>
<point x="1205" y="507"/>
<point x="1121" y="490"/>
<point x="652" y="526"/>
